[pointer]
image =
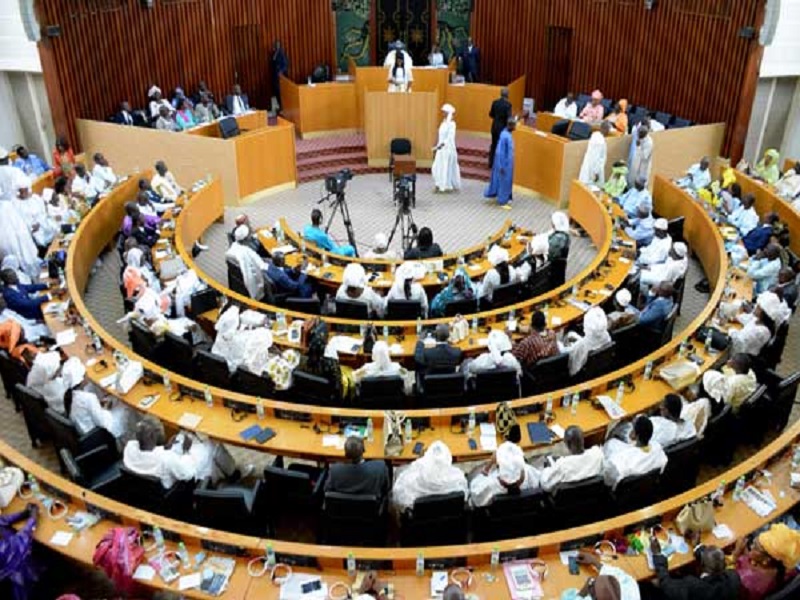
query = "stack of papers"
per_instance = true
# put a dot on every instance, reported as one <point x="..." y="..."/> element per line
<point x="582" y="306"/>
<point x="488" y="436"/>
<point x="342" y="344"/>
<point x="285" y="249"/>
<point x="614" y="410"/>
<point x="189" y="421"/>
<point x="65" y="337"/>
<point x="760" y="502"/>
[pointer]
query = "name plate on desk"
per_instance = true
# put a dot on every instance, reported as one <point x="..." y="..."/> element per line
<point x="587" y="542"/>
<point x="295" y="560"/>
<point x="220" y="548"/>
<point x="520" y="554"/>
<point x="292" y="415"/>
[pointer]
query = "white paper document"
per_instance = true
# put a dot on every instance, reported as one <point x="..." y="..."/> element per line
<point x="189" y="420"/>
<point x="66" y="337"/>
<point x="61" y="538"/>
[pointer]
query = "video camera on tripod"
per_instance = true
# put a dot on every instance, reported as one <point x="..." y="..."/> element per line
<point x="404" y="191"/>
<point x="335" y="184"/>
<point x="404" y="198"/>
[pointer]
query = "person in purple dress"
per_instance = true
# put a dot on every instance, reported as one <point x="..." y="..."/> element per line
<point x="15" y="551"/>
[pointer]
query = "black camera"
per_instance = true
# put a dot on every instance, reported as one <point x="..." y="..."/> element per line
<point x="404" y="190"/>
<point x="336" y="183"/>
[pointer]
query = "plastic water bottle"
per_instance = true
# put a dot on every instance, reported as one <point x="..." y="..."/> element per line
<point x="209" y="398"/>
<point x="648" y="370"/>
<point x="271" y="560"/>
<point x="370" y="430"/>
<point x="97" y="342"/>
<point x="183" y="554"/>
<point x="281" y="319"/>
<point x="719" y="492"/>
<point x="474" y="324"/>
<point x="495" y="559"/>
<point x="408" y="432"/>
<point x="620" y="392"/>
<point x="419" y="326"/>
<point x="565" y="401"/>
<point x="420" y="565"/>
<point x="682" y="349"/>
<point x="167" y="383"/>
<point x="576" y="397"/>
<point x="796" y="458"/>
<point x="548" y="409"/>
<point x="303" y="245"/>
<point x="62" y="282"/>
<point x="737" y="491"/>
<point x="386" y="332"/>
<point x="575" y="290"/>
<point x="158" y="537"/>
<point x="260" y="409"/>
<point x="471" y="422"/>
<point x="545" y="310"/>
<point x="709" y="339"/>
<point x="351" y="566"/>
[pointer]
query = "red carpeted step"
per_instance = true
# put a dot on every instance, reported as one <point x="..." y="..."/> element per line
<point x="356" y="155"/>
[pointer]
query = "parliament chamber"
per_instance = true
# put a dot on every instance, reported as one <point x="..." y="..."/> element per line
<point x="310" y="346"/>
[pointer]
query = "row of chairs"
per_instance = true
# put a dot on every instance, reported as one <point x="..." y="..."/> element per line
<point x="636" y="113"/>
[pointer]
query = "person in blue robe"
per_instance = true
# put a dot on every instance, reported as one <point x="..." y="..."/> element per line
<point x="502" y="181"/>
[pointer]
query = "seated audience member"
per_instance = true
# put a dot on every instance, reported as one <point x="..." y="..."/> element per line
<point x="132" y="214"/>
<point x="383" y="366"/>
<point x="251" y="240"/>
<point x="63" y="158"/>
<point x="440" y="358"/>
<point x="103" y="177"/>
<point x="499" y="356"/>
<point x="137" y="273"/>
<point x="432" y="474"/>
<point x="641" y="228"/>
<point x="763" y="566"/>
<point x="611" y="582"/>
<point x="157" y="103"/>
<point x="618" y="116"/>
<point x="323" y="363"/>
<point x="82" y="185"/>
<point x="638" y="456"/>
<point x="206" y="110"/>
<point x="713" y="582"/>
<point x="506" y="473"/>
<point x="764" y="267"/>
<point x="236" y="103"/>
<point x="406" y="288"/>
<point x="202" y="88"/>
<point x="358" y="476"/>
<point x="788" y="187"/>
<point x="758" y="327"/>
<point x="166" y="120"/>
<point x="250" y="263"/>
<point x="143" y="233"/>
<point x="618" y="180"/>
<point x="732" y="385"/>
<point x="180" y="96"/>
<point x="23" y="299"/>
<point x="124" y="116"/>
<point x="730" y="199"/>
<point x="635" y="197"/>
<point x="356" y="288"/>
<point x="657" y="251"/>
<point x="150" y="305"/>
<point x="658" y="306"/>
<point x="425" y="248"/>
<point x="31" y="329"/>
<point x="88" y="411"/>
<point x="460" y="287"/>
<point x="595" y="336"/>
<point x="52" y="379"/>
<point x="288" y="280"/>
<point x="226" y="343"/>
<point x="31" y="209"/>
<point x="759" y="238"/>
<point x="501" y="273"/>
<point x="540" y="343"/>
<point x="243" y="340"/>
<point x="745" y="218"/>
<point x="155" y="203"/>
<point x="30" y="164"/>
<point x="184" y="117"/>
<point x="164" y="183"/>
<point x="10" y="261"/>
<point x="316" y="235"/>
<point x="768" y="168"/>
<point x="12" y="340"/>
<point x="60" y="207"/>
<point x="624" y="313"/>
<point x="670" y="271"/>
<point x="380" y="250"/>
<point x="567" y="108"/>
<point x="668" y="426"/>
<point x="787" y="287"/>
<point x="17" y="551"/>
<point x="578" y="465"/>
<point x="593" y="111"/>
<point x="146" y="454"/>
<point x="697" y="177"/>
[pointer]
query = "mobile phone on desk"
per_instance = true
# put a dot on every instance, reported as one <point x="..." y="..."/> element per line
<point x="473" y="445"/>
<point x="311" y="586"/>
<point x="574" y="567"/>
<point x="418" y="448"/>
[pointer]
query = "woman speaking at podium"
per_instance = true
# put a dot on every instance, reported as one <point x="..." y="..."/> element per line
<point x="400" y="77"/>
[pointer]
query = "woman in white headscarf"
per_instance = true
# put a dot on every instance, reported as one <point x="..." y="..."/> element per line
<point x="255" y="341"/>
<point x="250" y="263"/>
<point x="595" y="336"/>
<point x="445" y="171"/>
<point x="383" y="366"/>
<point x="432" y="474"/>
<point x="355" y="288"/>
<point x="498" y="357"/>
<point x="554" y="243"/>
<point x="14" y="236"/>
<point x="45" y="378"/>
<point x="506" y="472"/>
<point x="380" y="250"/>
<point x="405" y="286"/>
<point x="150" y="305"/>
<point x="10" y="261"/>
<point x="501" y="273"/>
<point x="137" y="273"/>
<point x="225" y="344"/>
<point x="593" y="169"/>
<point x="789" y="185"/>
<point x="186" y="284"/>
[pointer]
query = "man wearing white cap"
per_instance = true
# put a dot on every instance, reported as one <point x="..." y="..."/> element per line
<point x="432" y="474"/>
<point x="657" y="251"/>
<point x="637" y="195"/>
<point x="31" y="208"/>
<point x="507" y="472"/>
<point x="380" y="250"/>
<point x="624" y="314"/>
<point x="249" y="262"/>
<point x="445" y="171"/>
<point x="670" y="270"/>
<point x="14" y="235"/>
<point x="501" y="273"/>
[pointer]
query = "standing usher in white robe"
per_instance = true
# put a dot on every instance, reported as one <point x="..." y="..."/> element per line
<point x="445" y="170"/>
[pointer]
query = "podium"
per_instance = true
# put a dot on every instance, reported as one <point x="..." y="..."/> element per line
<point x="414" y="116"/>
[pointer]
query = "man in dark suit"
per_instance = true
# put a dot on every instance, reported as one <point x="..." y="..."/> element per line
<point x="237" y="102"/>
<point x="358" y="476"/>
<point x="471" y="62"/>
<point x="714" y="583"/>
<point x="500" y="113"/>
<point x="125" y="115"/>
<point x="441" y="358"/>
<point x="21" y="298"/>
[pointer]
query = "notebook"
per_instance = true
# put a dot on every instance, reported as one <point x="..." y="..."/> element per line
<point x="539" y="433"/>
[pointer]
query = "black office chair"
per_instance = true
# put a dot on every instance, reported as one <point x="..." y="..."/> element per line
<point x="653" y="339"/>
<point x="291" y="493"/>
<point x="236" y="279"/>
<point x="443" y="390"/>
<point x="598" y="363"/>
<point x="607" y="104"/>
<point x="548" y="374"/>
<point x="381" y="393"/>
<point x="557" y="274"/>
<point x="178" y="354"/>
<point x="147" y="493"/>
<point x="719" y="438"/>
<point x="539" y="283"/>
<point x="581" y="101"/>
<point x="212" y="369"/>
<point x="512" y="515"/>
<point x="663" y="118"/>
<point x="12" y="372"/>
<point x="308" y="306"/>
<point x="251" y="384"/>
<point x="580" y="502"/>
<point x="144" y="342"/>
<point x="636" y="491"/>
<point x="497" y="385"/>
<point x="439" y="520"/>
<point x="272" y="295"/>
<point x="467" y="306"/>
<point x="397" y="147"/>
<point x="33" y="411"/>
<point x="680" y="123"/>
<point x="579" y="131"/>
<point x="96" y="470"/>
<point x="753" y="419"/>
<point x="353" y="520"/>
<point x="204" y="301"/>
<point x="628" y="349"/>
<point x="790" y="591"/>
<point x="675" y="228"/>
<point x="352" y="309"/>
<point x="683" y="466"/>
<point x="312" y="389"/>
<point x="506" y="295"/>
<point x="230" y="508"/>
<point x="782" y="392"/>
<point x="561" y="127"/>
<point x="65" y="435"/>
<point x="403" y="310"/>
<point x="680" y="289"/>
<point x="772" y="353"/>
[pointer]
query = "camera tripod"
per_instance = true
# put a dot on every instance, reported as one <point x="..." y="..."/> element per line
<point x="408" y="229"/>
<point x="339" y="204"/>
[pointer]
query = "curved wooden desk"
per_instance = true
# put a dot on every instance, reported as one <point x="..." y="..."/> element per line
<point x="296" y="438"/>
<point x="398" y="564"/>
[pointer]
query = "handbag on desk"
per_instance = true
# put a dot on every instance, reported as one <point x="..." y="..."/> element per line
<point x="392" y="433"/>
<point x="505" y="419"/>
<point x="11" y="479"/>
<point x="698" y="517"/>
